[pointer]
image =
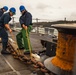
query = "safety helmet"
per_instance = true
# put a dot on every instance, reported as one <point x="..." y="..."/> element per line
<point x="13" y="10"/>
<point x="21" y="8"/>
<point x="5" y="8"/>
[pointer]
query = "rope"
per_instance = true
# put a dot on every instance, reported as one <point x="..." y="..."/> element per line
<point x="29" y="43"/>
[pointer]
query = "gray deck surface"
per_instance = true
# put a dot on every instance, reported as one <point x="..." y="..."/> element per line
<point x="11" y="66"/>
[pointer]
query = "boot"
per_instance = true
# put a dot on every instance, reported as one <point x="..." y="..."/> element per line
<point x="4" y="51"/>
<point x="26" y="52"/>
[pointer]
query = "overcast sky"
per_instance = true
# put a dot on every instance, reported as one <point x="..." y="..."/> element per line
<point x="45" y="9"/>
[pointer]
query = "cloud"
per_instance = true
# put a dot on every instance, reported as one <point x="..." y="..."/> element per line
<point x="42" y="6"/>
<point x="59" y="7"/>
<point x="72" y="16"/>
<point x="50" y="9"/>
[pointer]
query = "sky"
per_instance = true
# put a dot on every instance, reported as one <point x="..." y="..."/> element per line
<point x="45" y="9"/>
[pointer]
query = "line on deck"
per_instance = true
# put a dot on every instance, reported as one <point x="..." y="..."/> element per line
<point x="10" y="65"/>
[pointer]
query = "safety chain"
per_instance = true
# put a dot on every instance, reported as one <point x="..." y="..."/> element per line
<point x="25" y="59"/>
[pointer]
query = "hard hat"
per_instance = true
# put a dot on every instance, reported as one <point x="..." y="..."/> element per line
<point x="21" y="8"/>
<point x="5" y="8"/>
<point x="13" y="10"/>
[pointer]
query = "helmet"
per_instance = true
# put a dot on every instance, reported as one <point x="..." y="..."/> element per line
<point x="5" y="8"/>
<point x="21" y="8"/>
<point x="13" y="10"/>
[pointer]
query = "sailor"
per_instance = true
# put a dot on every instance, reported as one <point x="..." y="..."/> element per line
<point x="4" y="20"/>
<point x="23" y="35"/>
<point x="2" y="10"/>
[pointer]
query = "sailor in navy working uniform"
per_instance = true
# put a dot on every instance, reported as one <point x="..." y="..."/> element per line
<point x="4" y="20"/>
<point x="2" y="10"/>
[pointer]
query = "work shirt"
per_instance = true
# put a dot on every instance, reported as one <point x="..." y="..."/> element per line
<point x="5" y="18"/>
<point x="26" y="19"/>
<point x="1" y="12"/>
